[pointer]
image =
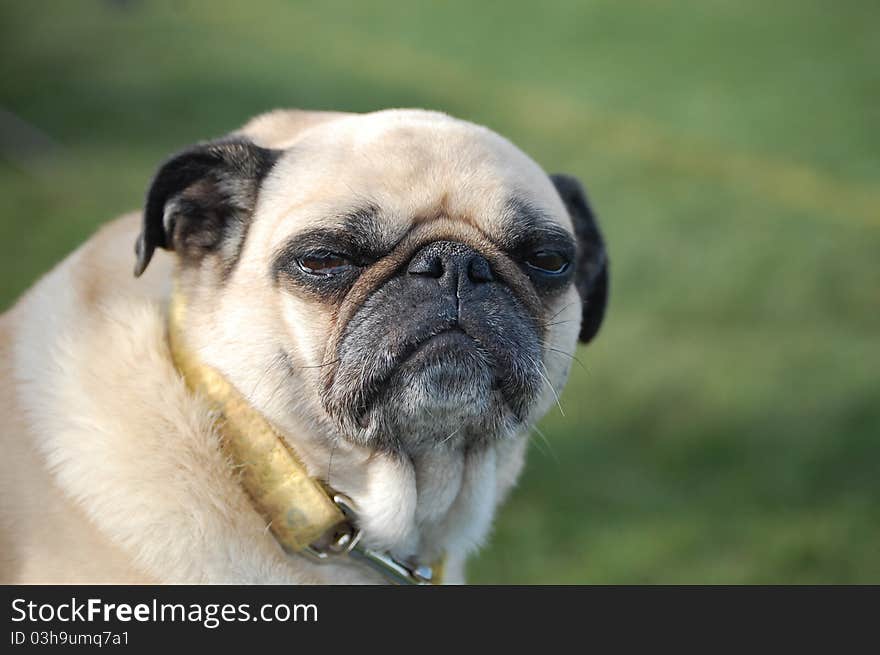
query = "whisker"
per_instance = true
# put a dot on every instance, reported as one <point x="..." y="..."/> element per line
<point x="540" y="446"/>
<point x="566" y="354"/>
<point x="560" y="311"/>
<point x="547" y="325"/>
<point x="539" y="366"/>
<point x="330" y="363"/>
<point x="547" y="443"/>
<point x="453" y="433"/>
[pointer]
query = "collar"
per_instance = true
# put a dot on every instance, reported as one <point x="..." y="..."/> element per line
<point x="305" y="516"/>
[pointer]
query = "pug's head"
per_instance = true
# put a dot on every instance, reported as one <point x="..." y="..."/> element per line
<point x="402" y="281"/>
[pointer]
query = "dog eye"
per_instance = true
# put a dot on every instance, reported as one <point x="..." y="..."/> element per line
<point x="548" y="262"/>
<point x="324" y="263"/>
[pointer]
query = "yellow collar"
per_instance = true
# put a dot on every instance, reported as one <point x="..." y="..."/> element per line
<point x="299" y="510"/>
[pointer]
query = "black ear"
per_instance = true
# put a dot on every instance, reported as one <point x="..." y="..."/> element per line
<point x="591" y="277"/>
<point x="202" y="199"/>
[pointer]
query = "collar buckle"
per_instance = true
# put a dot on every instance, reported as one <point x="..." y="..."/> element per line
<point x="346" y="542"/>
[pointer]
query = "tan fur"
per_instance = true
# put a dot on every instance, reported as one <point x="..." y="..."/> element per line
<point x="282" y="127"/>
<point x="111" y="470"/>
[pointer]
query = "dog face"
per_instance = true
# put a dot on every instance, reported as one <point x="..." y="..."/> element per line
<point x="401" y="281"/>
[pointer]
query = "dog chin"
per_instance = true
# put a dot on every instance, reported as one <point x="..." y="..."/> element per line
<point x="444" y="396"/>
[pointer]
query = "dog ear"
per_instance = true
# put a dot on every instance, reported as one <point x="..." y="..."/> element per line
<point x="202" y="199"/>
<point x="591" y="276"/>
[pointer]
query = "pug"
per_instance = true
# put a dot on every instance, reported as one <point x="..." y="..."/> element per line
<point x="396" y="296"/>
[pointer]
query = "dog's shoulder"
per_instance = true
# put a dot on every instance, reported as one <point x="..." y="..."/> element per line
<point x="37" y="517"/>
<point x="97" y="270"/>
<point x="41" y="338"/>
<point x="73" y="295"/>
<point x="103" y="267"/>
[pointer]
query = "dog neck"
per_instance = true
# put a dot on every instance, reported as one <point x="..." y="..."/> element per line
<point x="298" y="510"/>
<point x="306" y="517"/>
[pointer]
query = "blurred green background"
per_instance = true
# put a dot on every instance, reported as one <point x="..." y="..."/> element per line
<point x="725" y="427"/>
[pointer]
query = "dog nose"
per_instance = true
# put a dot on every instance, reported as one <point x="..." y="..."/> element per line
<point x="451" y="264"/>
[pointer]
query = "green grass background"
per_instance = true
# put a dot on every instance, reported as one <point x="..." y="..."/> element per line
<point x="725" y="427"/>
